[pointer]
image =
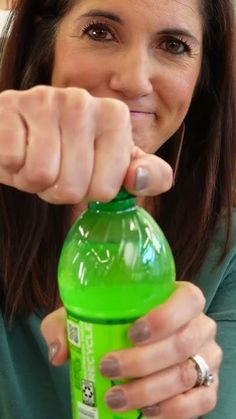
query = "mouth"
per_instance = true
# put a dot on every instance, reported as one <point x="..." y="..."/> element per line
<point x="142" y="114"/>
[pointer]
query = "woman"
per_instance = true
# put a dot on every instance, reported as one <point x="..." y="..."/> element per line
<point x="167" y="84"/>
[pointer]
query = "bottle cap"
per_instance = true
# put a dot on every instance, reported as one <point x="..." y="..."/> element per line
<point x="123" y="194"/>
<point x="122" y="201"/>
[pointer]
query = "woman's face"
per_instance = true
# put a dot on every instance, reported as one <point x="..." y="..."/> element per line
<point x="147" y="53"/>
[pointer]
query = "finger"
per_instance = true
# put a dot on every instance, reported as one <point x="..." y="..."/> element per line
<point x="112" y="149"/>
<point x="42" y="160"/>
<point x="12" y="145"/>
<point x="148" y="174"/>
<point x="169" y="316"/>
<point x="13" y="134"/>
<point x="194" y="403"/>
<point x="155" y="388"/>
<point x="212" y="353"/>
<point x="77" y="154"/>
<point x="53" y="329"/>
<point x="142" y="361"/>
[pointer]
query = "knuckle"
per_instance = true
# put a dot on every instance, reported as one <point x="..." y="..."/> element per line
<point x="38" y="99"/>
<point x="167" y="178"/>
<point x="185" y="342"/>
<point x="11" y="161"/>
<point x="147" y="395"/>
<point x="118" y="111"/>
<point x="195" y="296"/>
<point x="42" y="177"/>
<point x="40" y="93"/>
<point x="212" y="327"/>
<point x="8" y="99"/>
<point x="208" y="401"/>
<point x="79" y="99"/>
<point x="44" y="325"/>
<point x="219" y="355"/>
<point x="216" y="383"/>
<point x="139" y="364"/>
<point x="160" y="320"/>
<point x="187" y="375"/>
<point x="52" y="321"/>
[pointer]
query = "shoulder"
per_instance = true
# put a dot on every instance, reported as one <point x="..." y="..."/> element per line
<point x="234" y="224"/>
<point x="218" y="283"/>
<point x="217" y="278"/>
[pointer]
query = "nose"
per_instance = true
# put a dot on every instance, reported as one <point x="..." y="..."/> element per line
<point x="132" y="76"/>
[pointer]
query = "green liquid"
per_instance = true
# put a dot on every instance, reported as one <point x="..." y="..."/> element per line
<point x="120" y="302"/>
<point x="116" y="289"/>
<point x="115" y="266"/>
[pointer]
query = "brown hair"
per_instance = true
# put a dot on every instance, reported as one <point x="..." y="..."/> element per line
<point x="203" y="193"/>
<point x="32" y="231"/>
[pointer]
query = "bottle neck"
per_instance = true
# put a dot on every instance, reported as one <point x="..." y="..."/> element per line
<point x="122" y="202"/>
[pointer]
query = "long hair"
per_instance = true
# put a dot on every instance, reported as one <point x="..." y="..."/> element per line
<point x="203" y="192"/>
<point x="32" y="231"/>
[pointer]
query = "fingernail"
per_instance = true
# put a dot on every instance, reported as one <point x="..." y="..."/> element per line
<point x="110" y="367"/>
<point x="53" y="350"/>
<point x="151" y="411"/>
<point x="115" y="399"/>
<point x="142" y="178"/>
<point x="140" y="331"/>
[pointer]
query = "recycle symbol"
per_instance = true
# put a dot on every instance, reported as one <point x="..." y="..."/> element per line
<point x="88" y="393"/>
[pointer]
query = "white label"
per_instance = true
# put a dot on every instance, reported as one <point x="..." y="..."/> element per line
<point x="73" y="333"/>
<point x="87" y="412"/>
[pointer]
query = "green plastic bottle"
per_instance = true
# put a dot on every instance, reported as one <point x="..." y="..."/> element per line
<point x="114" y="267"/>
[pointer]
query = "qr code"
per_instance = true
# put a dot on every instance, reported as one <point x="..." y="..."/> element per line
<point x="73" y="333"/>
<point x="88" y="393"/>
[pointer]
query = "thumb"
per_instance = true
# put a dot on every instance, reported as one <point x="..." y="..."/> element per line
<point x="148" y="174"/>
<point x="53" y="329"/>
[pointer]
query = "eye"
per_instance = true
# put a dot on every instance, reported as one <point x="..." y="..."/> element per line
<point x="176" y="46"/>
<point x="99" y="32"/>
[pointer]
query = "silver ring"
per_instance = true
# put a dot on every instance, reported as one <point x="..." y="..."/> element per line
<point x="204" y="376"/>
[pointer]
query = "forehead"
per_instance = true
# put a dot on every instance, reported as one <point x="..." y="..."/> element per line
<point x="149" y="12"/>
<point x="182" y="7"/>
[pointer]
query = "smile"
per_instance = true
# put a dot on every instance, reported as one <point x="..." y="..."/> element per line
<point x="142" y="114"/>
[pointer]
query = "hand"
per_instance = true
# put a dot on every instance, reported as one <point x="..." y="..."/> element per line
<point x="65" y="146"/>
<point x="163" y="376"/>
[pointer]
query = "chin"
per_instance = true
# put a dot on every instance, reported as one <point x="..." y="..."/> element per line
<point x="146" y="146"/>
<point x="148" y="143"/>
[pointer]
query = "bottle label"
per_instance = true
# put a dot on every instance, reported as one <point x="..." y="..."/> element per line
<point x="88" y="343"/>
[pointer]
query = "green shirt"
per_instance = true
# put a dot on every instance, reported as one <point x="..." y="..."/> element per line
<point x="30" y="388"/>
<point x="219" y="287"/>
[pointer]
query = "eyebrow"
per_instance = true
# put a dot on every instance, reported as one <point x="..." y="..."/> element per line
<point x="103" y="13"/>
<point x="116" y="18"/>
<point x="178" y="32"/>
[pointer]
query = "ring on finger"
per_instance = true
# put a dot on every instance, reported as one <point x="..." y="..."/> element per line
<point x="204" y="376"/>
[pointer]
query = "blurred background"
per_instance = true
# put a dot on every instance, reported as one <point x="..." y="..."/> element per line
<point x="6" y="4"/>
